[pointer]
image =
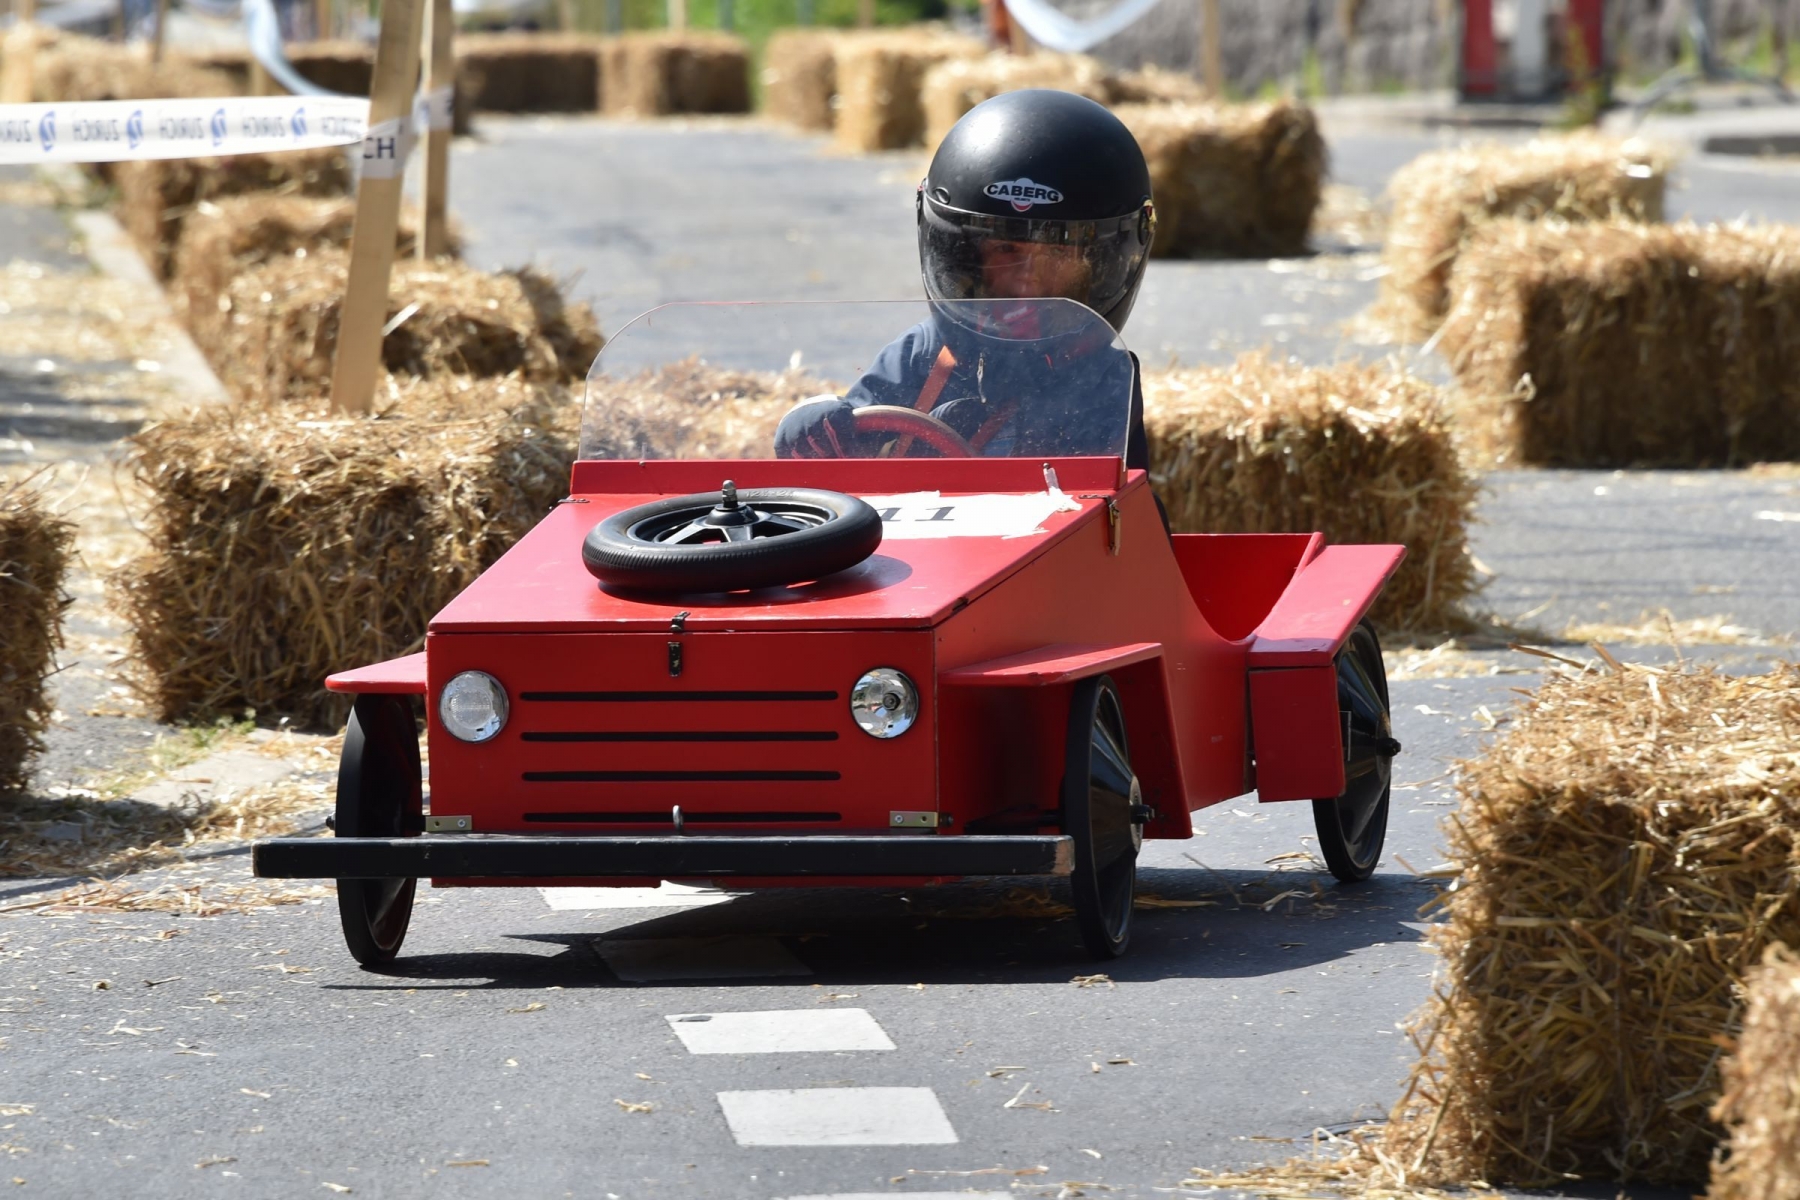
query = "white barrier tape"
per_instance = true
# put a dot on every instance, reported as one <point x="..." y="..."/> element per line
<point x="435" y="110"/>
<point x="132" y="130"/>
<point x="1055" y="30"/>
<point x="385" y="149"/>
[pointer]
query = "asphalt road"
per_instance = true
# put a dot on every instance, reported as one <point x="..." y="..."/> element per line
<point x="244" y="1055"/>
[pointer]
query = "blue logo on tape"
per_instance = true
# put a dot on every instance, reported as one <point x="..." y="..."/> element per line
<point x="218" y="127"/>
<point x="134" y="127"/>
<point x="298" y="121"/>
<point x="47" y="130"/>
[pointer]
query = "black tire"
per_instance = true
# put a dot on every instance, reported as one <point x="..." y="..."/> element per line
<point x="380" y="794"/>
<point x="1353" y="827"/>
<point x="1102" y="810"/>
<point x="830" y="532"/>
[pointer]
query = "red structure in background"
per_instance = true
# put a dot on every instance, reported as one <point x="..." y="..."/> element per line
<point x="998" y="23"/>
<point x="1479" y="73"/>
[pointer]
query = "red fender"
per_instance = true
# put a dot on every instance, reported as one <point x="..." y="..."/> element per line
<point x="1295" y="727"/>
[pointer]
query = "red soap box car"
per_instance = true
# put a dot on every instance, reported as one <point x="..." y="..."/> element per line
<point x="975" y="652"/>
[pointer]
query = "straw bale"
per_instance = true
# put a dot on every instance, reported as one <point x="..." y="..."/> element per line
<point x="280" y="326"/>
<point x="1761" y="1101"/>
<point x="1628" y="849"/>
<point x="879" y="78"/>
<point x="529" y="72"/>
<point x="282" y="550"/>
<point x="690" y="409"/>
<point x="1362" y="453"/>
<point x="35" y="546"/>
<point x="1440" y="199"/>
<point x="70" y="67"/>
<point x="233" y="61"/>
<point x="339" y="66"/>
<point x="221" y="241"/>
<point x="659" y="73"/>
<point x="799" y="77"/>
<point x="1230" y="178"/>
<point x="1155" y="85"/>
<point x="156" y="196"/>
<point x="953" y="87"/>
<point x="1619" y="343"/>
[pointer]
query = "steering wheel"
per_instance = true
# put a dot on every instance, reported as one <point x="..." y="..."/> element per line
<point x="910" y="423"/>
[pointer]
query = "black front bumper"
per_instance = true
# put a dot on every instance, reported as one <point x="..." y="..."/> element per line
<point x="500" y="856"/>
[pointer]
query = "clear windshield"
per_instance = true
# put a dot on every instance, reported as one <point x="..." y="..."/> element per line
<point x="1014" y="378"/>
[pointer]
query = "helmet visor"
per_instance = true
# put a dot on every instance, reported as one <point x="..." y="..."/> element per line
<point x="975" y="256"/>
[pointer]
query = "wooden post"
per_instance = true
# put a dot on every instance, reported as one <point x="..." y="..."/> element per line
<point x="615" y="16"/>
<point x="321" y="20"/>
<point x="160" y="35"/>
<point x="1778" y="44"/>
<point x="434" y="239"/>
<point x="678" y="14"/>
<point x="21" y="51"/>
<point x="865" y="14"/>
<point x="565" y="15"/>
<point x="1212" y="51"/>
<point x="260" y="83"/>
<point x="727" y="17"/>
<point x="364" y="311"/>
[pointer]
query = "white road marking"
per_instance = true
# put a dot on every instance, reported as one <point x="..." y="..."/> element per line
<point x="661" y="960"/>
<point x="664" y="895"/>
<point x="909" y="1196"/>
<point x="779" y="1032"/>
<point x="872" y="1116"/>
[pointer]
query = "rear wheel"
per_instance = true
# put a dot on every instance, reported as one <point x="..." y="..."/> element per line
<point x="1103" y="812"/>
<point x="380" y="794"/>
<point x="1353" y="827"/>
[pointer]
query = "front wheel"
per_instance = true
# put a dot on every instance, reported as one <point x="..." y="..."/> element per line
<point x="380" y="794"/>
<point x="1103" y="812"/>
<point x="1352" y="827"/>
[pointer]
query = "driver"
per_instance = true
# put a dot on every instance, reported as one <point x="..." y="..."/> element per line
<point x="1032" y="194"/>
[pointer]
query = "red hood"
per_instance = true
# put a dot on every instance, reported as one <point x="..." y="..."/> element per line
<point x="541" y="586"/>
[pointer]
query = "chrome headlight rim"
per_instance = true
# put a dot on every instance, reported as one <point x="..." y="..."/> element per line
<point x="461" y="729"/>
<point x="884" y="703"/>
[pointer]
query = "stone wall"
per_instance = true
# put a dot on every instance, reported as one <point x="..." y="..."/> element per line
<point x="1392" y="44"/>
<point x="1647" y="35"/>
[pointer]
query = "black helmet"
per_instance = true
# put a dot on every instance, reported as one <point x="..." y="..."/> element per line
<point x="1049" y="169"/>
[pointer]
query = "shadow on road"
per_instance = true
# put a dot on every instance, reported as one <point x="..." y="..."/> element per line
<point x="1203" y="924"/>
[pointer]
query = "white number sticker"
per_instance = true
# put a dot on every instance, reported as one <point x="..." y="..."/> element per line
<point x="934" y="515"/>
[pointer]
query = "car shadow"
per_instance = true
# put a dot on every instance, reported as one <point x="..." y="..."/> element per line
<point x="1189" y="924"/>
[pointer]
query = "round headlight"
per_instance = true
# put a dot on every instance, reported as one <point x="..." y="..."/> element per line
<point x="473" y="706"/>
<point x="885" y="703"/>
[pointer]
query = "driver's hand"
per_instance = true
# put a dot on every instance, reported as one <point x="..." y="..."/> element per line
<point x="821" y="428"/>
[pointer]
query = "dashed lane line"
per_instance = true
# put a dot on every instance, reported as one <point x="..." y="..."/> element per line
<point x="909" y="1196"/>
<point x="868" y="1116"/>
<point x="783" y="1031"/>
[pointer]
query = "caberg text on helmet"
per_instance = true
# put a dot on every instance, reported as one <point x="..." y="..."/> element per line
<point x="1023" y="193"/>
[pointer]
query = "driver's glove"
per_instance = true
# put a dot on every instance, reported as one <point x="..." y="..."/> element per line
<point x="821" y="428"/>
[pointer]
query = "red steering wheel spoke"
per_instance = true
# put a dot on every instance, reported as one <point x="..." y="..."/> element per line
<point x="911" y="423"/>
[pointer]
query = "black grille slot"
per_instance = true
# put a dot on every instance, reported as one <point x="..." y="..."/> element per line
<point x="672" y="697"/>
<point x="727" y="735"/>
<point x="681" y="776"/>
<point x="687" y="818"/>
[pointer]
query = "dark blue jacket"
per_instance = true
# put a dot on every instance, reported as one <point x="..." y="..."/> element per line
<point x="1042" y="391"/>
